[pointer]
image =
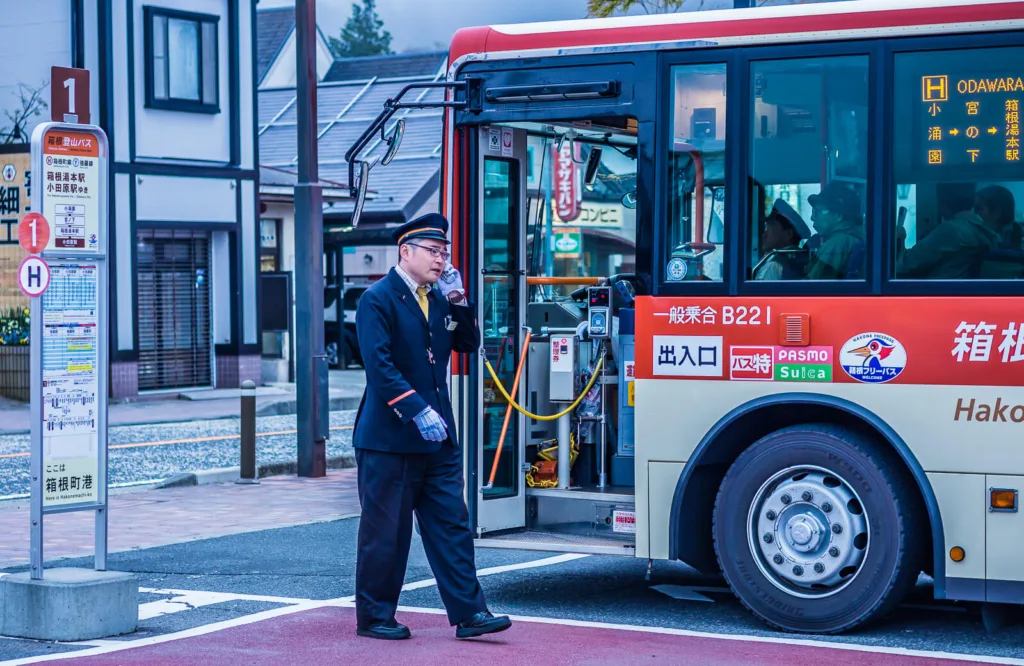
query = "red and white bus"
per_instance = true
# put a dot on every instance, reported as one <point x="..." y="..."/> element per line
<point x="812" y="347"/>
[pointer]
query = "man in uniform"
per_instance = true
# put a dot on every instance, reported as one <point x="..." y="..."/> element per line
<point x="406" y="450"/>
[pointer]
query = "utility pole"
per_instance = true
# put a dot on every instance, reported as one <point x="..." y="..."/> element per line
<point x="311" y="380"/>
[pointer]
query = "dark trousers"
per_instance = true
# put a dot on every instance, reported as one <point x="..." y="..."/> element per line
<point x="391" y="487"/>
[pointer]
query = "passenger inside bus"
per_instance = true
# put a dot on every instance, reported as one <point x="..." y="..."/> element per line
<point x="955" y="249"/>
<point x="995" y="205"/>
<point x="839" y="227"/>
<point x="809" y="124"/>
<point x="959" y="184"/>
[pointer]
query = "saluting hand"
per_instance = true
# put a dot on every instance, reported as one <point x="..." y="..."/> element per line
<point x="431" y="425"/>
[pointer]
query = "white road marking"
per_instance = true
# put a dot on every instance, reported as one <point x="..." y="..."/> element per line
<point x="490" y="571"/>
<point x="184" y="600"/>
<point x="117" y="646"/>
<point x="198" y="596"/>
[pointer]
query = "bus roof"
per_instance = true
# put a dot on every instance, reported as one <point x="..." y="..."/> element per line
<point x="777" y="24"/>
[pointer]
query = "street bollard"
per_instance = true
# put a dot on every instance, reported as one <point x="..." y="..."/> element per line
<point x="247" y="470"/>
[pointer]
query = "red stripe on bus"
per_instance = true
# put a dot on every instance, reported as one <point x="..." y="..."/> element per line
<point x="490" y="40"/>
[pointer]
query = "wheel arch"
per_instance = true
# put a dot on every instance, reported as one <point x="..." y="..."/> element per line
<point x="690" y="525"/>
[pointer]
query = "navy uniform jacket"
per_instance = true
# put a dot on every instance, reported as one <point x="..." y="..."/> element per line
<point x="406" y="362"/>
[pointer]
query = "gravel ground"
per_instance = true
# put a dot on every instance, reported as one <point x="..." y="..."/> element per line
<point x="146" y="463"/>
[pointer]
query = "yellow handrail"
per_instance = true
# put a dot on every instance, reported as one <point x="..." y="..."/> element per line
<point x="553" y="417"/>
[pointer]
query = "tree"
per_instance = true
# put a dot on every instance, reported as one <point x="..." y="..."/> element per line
<point x="30" y="104"/>
<point x="363" y="34"/>
<point x="606" y="8"/>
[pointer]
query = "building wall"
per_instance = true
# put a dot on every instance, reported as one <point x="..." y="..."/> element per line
<point x="34" y="36"/>
<point x="169" y="169"/>
<point x="159" y="132"/>
<point x="187" y="171"/>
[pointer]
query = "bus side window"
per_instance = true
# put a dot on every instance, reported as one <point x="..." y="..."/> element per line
<point x="957" y="165"/>
<point x="808" y="168"/>
<point x="696" y="195"/>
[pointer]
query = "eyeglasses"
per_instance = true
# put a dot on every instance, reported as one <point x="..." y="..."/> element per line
<point x="434" y="252"/>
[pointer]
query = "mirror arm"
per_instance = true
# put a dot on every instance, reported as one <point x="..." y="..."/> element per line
<point x="572" y="152"/>
<point x="379" y="122"/>
<point x="390" y="107"/>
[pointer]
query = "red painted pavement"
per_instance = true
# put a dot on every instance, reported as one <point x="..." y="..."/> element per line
<point x="327" y="636"/>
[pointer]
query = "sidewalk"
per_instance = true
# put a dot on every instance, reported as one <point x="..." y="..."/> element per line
<point x="346" y="390"/>
<point x="174" y="515"/>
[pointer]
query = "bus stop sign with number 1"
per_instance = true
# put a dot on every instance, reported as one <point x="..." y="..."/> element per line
<point x="34" y="233"/>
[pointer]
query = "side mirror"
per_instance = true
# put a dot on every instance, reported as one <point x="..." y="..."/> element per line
<point x="593" y="164"/>
<point x="394" y="141"/>
<point x="364" y="177"/>
<point x="629" y="200"/>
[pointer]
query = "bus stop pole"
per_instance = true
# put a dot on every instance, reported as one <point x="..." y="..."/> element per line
<point x="311" y="361"/>
<point x="339" y="255"/>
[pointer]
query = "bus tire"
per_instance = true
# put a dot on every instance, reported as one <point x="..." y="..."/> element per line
<point x="814" y="529"/>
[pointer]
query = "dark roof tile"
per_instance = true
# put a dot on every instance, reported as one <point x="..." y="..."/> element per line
<point x="273" y="26"/>
<point x="385" y="67"/>
<point x="401" y="188"/>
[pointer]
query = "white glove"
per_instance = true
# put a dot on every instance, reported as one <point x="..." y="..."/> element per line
<point x="431" y="425"/>
<point x="450" y="280"/>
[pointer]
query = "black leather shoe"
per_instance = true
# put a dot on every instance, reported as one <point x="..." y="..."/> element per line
<point x="482" y="623"/>
<point x="388" y="631"/>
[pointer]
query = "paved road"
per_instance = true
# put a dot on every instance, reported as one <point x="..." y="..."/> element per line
<point x="201" y="599"/>
<point x="155" y="452"/>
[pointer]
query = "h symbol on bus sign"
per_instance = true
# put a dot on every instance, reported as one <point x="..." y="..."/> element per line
<point x="935" y="88"/>
<point x="33" y="276"/>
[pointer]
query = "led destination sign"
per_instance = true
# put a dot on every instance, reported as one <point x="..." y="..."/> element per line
<point x="970" y="120"/>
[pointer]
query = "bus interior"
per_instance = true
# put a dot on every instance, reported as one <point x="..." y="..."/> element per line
<point x="558" y="284"/>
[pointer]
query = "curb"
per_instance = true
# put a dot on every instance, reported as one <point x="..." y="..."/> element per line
<point x="231" y="474"/>
<point x="277" y="408"/>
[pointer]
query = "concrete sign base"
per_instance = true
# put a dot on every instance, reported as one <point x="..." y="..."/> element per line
<point x="69" y="605"/>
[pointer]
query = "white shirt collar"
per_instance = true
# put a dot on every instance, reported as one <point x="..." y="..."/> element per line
<point x="409" y="281"/>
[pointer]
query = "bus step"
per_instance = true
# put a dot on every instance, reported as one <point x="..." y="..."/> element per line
<point x="553" y="542"/>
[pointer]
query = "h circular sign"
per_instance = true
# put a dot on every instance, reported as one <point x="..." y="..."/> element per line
<point x="33" y="276"/>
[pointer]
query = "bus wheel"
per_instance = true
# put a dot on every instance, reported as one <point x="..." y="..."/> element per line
<point x="813" y="529"/>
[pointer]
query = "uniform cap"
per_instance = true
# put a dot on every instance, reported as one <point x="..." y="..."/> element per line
<point x="431" y="225"/>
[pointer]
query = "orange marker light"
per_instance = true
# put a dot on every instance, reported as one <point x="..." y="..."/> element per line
<point x="957" y="554"/>
<point x="1002" y="499"/>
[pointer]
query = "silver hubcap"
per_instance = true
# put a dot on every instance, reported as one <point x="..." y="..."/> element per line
<point x="808" y="531"/>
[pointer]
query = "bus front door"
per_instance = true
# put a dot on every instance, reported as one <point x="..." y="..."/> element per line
<point x="501" y="285"/>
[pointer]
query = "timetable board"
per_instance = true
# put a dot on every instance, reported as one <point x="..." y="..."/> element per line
<point x="70" y="384"/>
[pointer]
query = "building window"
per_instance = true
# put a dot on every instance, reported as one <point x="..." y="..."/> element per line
<point x="696" y="195"/>
<point x="182" y="61"/>
<point x="959" y="190"/>
<point x="808" y="169"/>
<point x="270" y="246"/>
